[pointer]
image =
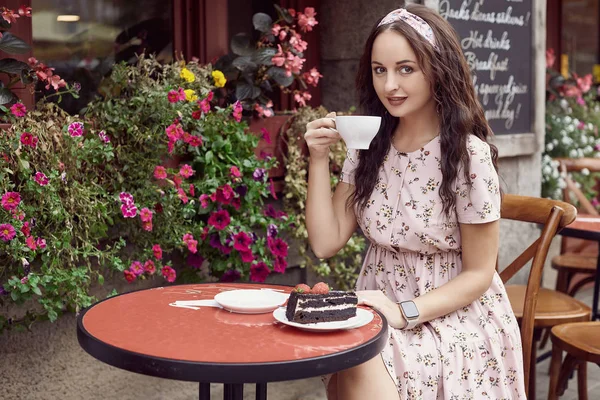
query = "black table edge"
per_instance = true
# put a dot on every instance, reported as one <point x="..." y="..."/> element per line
<point x="227" y="372"/>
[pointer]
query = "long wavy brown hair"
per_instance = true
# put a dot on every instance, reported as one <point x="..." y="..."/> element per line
<point x="459" y="110"/>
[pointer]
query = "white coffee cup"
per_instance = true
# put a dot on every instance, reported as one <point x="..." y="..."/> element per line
<point x="357" y="130"/>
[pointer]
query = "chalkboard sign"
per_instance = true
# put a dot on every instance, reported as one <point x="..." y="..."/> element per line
<point x="496" y="38"/>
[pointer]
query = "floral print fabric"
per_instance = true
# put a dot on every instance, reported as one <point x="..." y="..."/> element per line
<point x="474" y="352"/>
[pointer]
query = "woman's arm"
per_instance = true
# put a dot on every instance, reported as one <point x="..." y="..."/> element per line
<point x="479" y="253"/>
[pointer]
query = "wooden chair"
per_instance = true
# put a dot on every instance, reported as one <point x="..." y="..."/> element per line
<point x="577" y="256"/>
<point x="553" y="215"/>
<point x="581" y="341"/>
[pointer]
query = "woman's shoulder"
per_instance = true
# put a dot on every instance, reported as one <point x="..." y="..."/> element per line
<point x="477" y="146"/>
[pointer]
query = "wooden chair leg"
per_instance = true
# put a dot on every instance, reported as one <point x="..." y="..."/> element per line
<point x="565" y="373"/>
<point x="562" y="281"/>
<point x="532" y="366"/>
<point x="582" y="381"/>
<point x="554" y="372"/>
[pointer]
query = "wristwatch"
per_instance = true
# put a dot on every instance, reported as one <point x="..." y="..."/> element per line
<point x="410" y="312"/>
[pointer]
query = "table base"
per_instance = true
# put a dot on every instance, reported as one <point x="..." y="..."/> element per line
<point x="233" y="391"/>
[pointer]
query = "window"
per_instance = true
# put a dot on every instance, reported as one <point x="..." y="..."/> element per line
<point x="82" y="39"/>
<point x="580" y="34"/>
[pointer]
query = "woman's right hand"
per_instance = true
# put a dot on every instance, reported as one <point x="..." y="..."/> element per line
<point x="320" y="134"/>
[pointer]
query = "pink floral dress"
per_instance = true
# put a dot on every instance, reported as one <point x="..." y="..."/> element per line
<point x="471" y="353"/>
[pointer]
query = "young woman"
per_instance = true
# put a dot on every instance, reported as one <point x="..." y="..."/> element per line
<point x="426" y="195"/>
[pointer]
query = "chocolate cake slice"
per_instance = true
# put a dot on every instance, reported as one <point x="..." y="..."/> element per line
<point x="308" y="308"/>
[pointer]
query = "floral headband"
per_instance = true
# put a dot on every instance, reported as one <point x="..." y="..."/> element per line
<point x="416" y="22"/>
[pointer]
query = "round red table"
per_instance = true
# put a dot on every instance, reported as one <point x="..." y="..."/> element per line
<point x="141" y="332"/>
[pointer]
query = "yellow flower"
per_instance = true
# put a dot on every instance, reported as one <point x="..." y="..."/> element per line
<point x="187" y="75"/>
<point x="190" y="95"/>
<point x="219" y="78"/>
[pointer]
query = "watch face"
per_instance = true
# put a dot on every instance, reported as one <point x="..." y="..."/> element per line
<point x="410" y="309"/>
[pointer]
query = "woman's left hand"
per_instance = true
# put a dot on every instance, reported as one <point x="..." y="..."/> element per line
<point x="379" y="301"/>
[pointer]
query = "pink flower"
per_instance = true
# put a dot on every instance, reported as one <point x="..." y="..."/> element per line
<point x="149" y="267"/>
<point x="18" y="110"/>
<point x="237" y="111"/>
<point x="210" y="96"/>
<point x="75" y="129"/>
<point x="235" y="172"/>
<point x="173" y="96"/>
<point x="266" y="135"/>
<point x="192" y="246"/>
<point x="278" y="247"/>
<point x="186" y="171"/>
<point x="41" y="243"/>
<point x="275" y="29"/>
<point x="225" y="194"/>
<point x="146" y="215"/>
<point x="147" y="226"/>
<point x="204" y="200"/>
<point x="297" y="43"/>
<point x="585" y="83"/>
<point x="41" y="179"/>
<point x="129" y="210"/>
<point x="126" y="198"/>
<point x="242" y="241"/>
<point x="307" y="20"/>
<point x="182" y="196"/>
<point x="581" y="125"/>
<point x="272" y="188"/>
<point x="104" y="137"/>
<point x="259" y="272"/>
<point x="137" y="268"/>
<point x="191" y="190"/>
<point x="129" y="276"/>
<point x="220" y="219"/>
<point x="7" y="232"/>
<point x="30" y="242"/>
<point x="194" y="141"/>
<point x="28" y="139"/>
<point x="169" y="273"/>
<point x="157" y="251"/>
<point x="11" y="200"/>
<point x="279" y="58"/>
<point x="595" y="202"/>
<point x="204" y="106"/>
<point x="550" y="58"/>
<point x="187" y="237"/>
<point x="580" y="101"/>
<point x="181" y="94"/>
<point x="312" y="77"/>
<point x="160" y="172"/>
<point x="174" y="132"/>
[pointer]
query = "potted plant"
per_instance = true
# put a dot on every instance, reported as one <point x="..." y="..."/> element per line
<point x="258" y="70"/>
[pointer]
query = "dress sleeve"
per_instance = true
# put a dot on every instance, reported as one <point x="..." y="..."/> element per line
<point x="350" y="165"/>
<point x="479" y="202"/>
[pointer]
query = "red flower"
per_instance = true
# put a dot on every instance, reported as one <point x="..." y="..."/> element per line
<point x="192" y="191"/>
<point x="149" y="267"/>
<point x="259" y="272"/>
<point x="157" y="251"/>
<point x="280" y="264"/>
<point x="129" y="276"/>
<point x="25" y="229"/>
<point x="236" y="203"/>
<point x="28" y="139"/>
<point x="242" y="241"/>
<point x="247" y="256"/>
<point x="169" y="273"/>
<point x="197" y="114"/>
<point x="225" y="194"/>
<point x="30" y="241"/>
<point x="220" y="219"/>
<point x="278" y="247"/>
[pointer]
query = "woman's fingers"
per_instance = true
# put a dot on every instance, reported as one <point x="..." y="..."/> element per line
<point x="327" y="122"/>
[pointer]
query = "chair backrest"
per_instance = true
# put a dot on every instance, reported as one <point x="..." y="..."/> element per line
<point x="572" y="194"/>
<point x="552" y="215"/>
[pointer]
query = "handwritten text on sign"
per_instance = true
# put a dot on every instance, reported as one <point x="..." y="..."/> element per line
<point x="496" y="41"/>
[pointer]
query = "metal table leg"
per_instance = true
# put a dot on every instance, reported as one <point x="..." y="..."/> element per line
<point x="261" y="391"/>
<point x="233" y="391"/>
<point x="204" y="391"/>
<point x="596" y="288"/>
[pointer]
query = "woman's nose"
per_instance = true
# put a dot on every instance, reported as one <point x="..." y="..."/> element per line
<point x="391" y="84"/>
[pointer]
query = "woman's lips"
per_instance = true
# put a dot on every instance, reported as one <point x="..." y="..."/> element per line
<point x="396" y="101"/>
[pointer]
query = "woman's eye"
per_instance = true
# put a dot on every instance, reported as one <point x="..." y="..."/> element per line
<point x="379" y="70"/>
<point x="406" y="70"/>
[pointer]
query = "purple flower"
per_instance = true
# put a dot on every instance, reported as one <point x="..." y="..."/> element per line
<point x="3" y="292"/>
<point x="215" y="241"/>
<point x="76" y="87"/>
<point x="195" y="260"/>
<point x="272" y="230"/>
<point x="231" y="275"/>
<point x="259" y="174"/>
<point x="242" y="190"/>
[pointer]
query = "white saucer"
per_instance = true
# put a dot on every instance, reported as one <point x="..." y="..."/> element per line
<point x="251" y="301"/>
<point x="363" y="317"/>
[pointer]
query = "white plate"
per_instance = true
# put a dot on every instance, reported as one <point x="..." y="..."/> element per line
<point x="251" y="301"/>
<point x="362" y="318"/>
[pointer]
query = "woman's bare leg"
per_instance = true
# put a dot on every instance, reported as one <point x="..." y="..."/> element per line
<point x="369" y="380"/>
<point x="331" y="388"/>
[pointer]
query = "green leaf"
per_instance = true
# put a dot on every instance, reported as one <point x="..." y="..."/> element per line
<point x="209" y="157"/>
<point x="100" y="279"/>
<point x="263" y="56"/>
<point x="24" y="164"/>
<point x="283" y="13"/>
<point x="36" y="290"/>
<point x="244" y="64"/>
<point x="279" y="75"/>
<point x="245" y="91"/>
<point x="11" y="44"/>
<point x="6" y="96"/>
<point x="240" y="45"/>
<point x="12" y="66"/>
<point x="262" y="22"/>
